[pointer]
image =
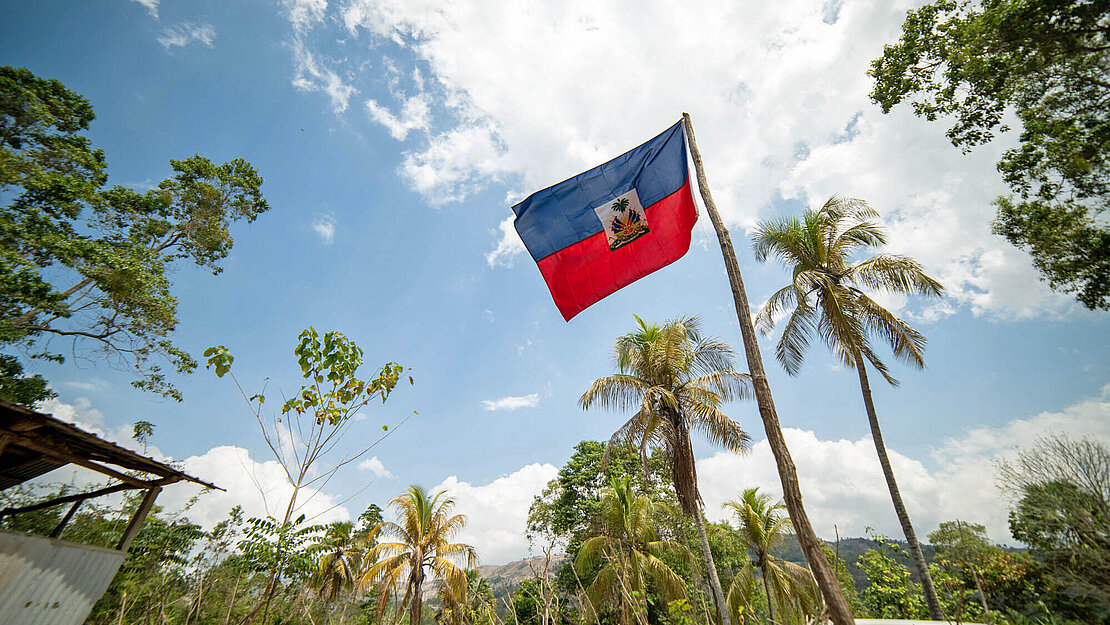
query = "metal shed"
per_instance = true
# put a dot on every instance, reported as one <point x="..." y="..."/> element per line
<point x="45" y="580"/>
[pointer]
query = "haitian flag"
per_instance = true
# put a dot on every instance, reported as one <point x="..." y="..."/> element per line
<point x="612" y="225"/>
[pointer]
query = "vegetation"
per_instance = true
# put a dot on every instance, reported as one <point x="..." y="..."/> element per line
<point x="676" y="380"/>
<point x="1062" y="511"/>
<point x="829" y="299"/>
<point x="88" y="265"/>
<point x="790" y="589"/>
<point x="423" y="530"/>
<point x="630" y="556"/>
<point x="327" y="405"/>
<point x="635" y="564"/>
<point x="1046" y="61"/>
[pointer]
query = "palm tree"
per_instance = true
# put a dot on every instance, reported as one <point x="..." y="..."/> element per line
<point x="787" y="585"/>
<point x="342" y="550"/>
<point x="676" y="380"/>
<point x="828" y="299"/>
<point x="423" y="531"/>
<point x="629" y="553"/>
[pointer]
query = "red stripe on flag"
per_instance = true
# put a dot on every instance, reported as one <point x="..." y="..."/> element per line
<point x="581" y="274"/>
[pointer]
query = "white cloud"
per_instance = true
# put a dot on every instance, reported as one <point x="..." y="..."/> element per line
<point x="843" y="485"/>
<point x="498" y="512"/>
<point x="781" y="111"/>
<point x="310" y="74"/>
<point x="260" y="487"/>
<point x="80" y="413"/>
<point x="375" y="466"/>
<point x="151" y="5"/>
<point x="324" y="227"/>
<point x="512" y="403"/>
<point x="89" y="385"/>
<point x="456" y="163"/>
<point x="185" y="33"/>
<point x="415" y="115"/>
<point x="508" y="246"/>
<point x="303" y="14"/>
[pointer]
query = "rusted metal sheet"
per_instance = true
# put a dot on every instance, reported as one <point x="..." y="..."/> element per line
<point x="45" y="581"/>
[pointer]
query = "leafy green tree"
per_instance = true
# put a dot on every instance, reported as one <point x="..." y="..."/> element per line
<point x="526" y="603"/>
<point x="889" y="593"/>
<point x="423" y="531"/>
<point x="964" y="549"/>
<point x="630" y="555"/>
<point x="310" y="424"/>
<point x="1062" y="511"/>
<point x="788" y="587"/>
<point x="220" y="543"/>
<point x="827" y="293"/>
<point x="676" y="380"/>
<point x="568" y="510"/>
<point x="1047" y="62"/>
<point x="153" y="573"/>
<point x="91" y="265"/>
<point x="19" y="388"/>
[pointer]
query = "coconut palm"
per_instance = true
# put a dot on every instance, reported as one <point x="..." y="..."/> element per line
<point x="338" y="562"/>
<point x="676" y="380"/>
<point x="828" y="297"/>
<point x="786" y="585"/>
<point x="342" y="550"/>
<point x="423" y="530"/>
<point x="629" y="553"/>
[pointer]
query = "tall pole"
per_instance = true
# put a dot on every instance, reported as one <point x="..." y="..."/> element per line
<point x="838" y="608"/>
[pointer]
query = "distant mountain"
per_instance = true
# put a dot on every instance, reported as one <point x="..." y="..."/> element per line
<point x="505" y="578"/>
<point x="850" y="550"/>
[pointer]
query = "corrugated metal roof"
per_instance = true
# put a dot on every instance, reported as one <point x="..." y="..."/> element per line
<point x="51" y="582"/>
<point x="32" y="443"/>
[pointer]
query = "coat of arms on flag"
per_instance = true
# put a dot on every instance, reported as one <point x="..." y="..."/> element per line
<point x="612" y="225"/>
<point x="623" y="219"/>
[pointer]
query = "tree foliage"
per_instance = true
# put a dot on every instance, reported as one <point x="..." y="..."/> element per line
<point x="424" y="528"/>
<point x="790" y="590"/>
<point x="889" y="592"/>
<point x="568" y="510"/>
<point x="830" y="298"/>
<point x="1062" y="492"/>
<point x="305" y="432"/>
<point x="89" y="265"/>
<point x="629" y="556"/>
<point x="1046" y="61"/>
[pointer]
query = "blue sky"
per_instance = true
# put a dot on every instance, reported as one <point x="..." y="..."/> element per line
<point x="393" y="137"/>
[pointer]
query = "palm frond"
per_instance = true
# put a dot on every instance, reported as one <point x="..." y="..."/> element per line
<point x="896" y="274"/>
<point x="615" y="392"/>
<point x="780" y="301"/>
<point x="718" y="428"/>
<point x="907" y="343"/>
<point x="783" y="239"/>
<point x="727" y="385"/>
<point x="792" y="345"/>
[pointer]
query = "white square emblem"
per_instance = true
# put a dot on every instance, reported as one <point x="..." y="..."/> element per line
<point x="623" y="218"/>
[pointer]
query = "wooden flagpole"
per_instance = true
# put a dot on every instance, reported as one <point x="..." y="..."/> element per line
<point x="838" y="608"/>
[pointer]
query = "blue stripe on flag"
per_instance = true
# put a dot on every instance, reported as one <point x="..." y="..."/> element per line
<point x="562" y="215"/>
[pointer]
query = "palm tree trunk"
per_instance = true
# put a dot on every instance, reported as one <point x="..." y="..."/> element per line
<point x="417" y="601"/>
<point x="714" y="581"/>
<point x="767" y="590"/>
<point x="936" y="613"/>
<point x="839" y="611"/>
